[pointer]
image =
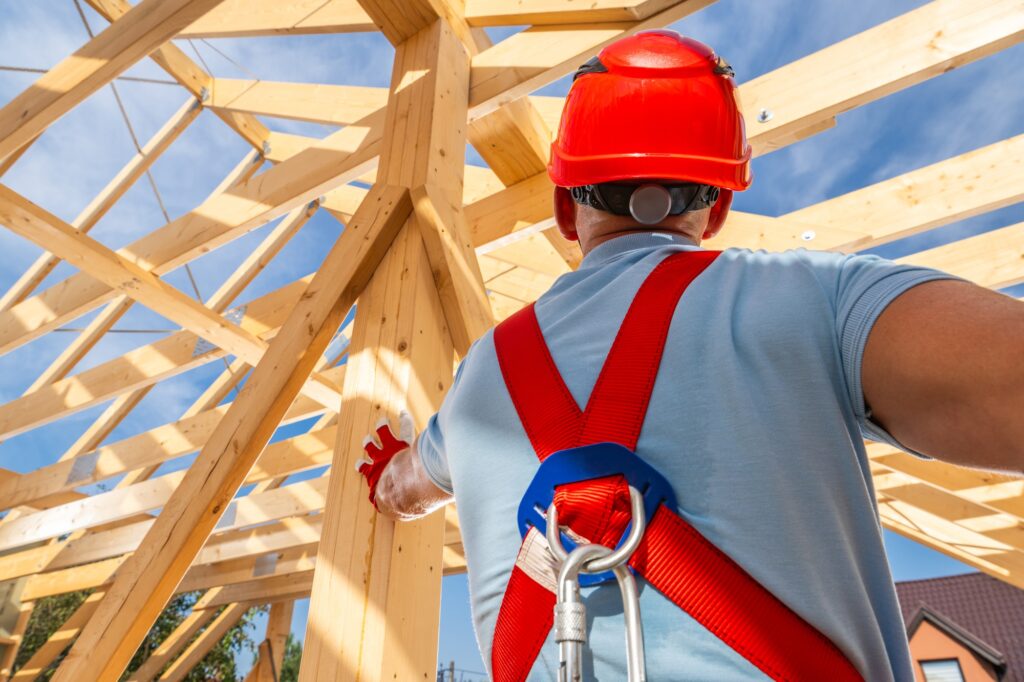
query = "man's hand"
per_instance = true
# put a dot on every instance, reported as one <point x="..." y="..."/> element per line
<point x="399" y="485"/>
<point x="381" y="448"/>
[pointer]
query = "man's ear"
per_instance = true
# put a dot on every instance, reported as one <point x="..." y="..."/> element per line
<point x="716" y="219"/>
<point x="565" y="213"/>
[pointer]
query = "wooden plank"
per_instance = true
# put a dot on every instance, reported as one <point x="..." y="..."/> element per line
<point x="396" y="361"/>
<point x="149" y="494"/>
<point x="400" y="357"/>
<point x="107" y="197"/>
<point x="425" y="153"/>
<point x="143" y="366"/>
<point x="979" y="181"/>
<point x="539" y="55"/>
<point x="931" y="40"/>
<point x="993" y="259"/>
<point x="235" y="18"/>
<point x="147" y="26"/>
<point x="17" y="635"/>
<point x="99" y="546"/>
<point x="47" y="230"/>
<point x="172" y="646"/>
<point x="318" y="103"/>
<point x="400" y="20"/>
<point x="147" y="580"/>
<point x="271" y="650"/>
<point x="541" y="12"/>
<point x="316" y="169"/>
<point x="296" y="585"/>
<point x="180" y="66"/>
<point x="201" y="645"/>
<point x="249" y="569"/>
<point x="938" y="533"/>
<point x="216" y="221"/>
<point x="58" y="641"/>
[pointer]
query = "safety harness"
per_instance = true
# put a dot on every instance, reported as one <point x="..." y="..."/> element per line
<point x="587" y="479"/>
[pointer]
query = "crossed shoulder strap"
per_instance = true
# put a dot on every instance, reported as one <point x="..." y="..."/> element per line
<point x="673" y="557"/>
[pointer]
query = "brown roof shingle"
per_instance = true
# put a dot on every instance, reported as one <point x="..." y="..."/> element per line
<point x="991" y="610"/>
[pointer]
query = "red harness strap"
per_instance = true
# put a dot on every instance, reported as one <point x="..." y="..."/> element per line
<point x="673" y="557"/>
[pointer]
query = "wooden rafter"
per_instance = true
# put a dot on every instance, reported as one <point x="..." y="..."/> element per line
<point x="432" y="252"/>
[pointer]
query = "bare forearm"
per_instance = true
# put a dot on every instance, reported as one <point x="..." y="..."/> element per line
<point x="405" y="491"/>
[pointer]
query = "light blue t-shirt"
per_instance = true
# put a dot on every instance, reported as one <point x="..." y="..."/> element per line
<point x="756" y="419"/>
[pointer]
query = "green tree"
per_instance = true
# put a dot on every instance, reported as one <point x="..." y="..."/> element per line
<point x="51" y="612"/>
<point x="292" y="658"/>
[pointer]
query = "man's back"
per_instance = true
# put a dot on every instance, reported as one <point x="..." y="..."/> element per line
<point x="755" y="420"/>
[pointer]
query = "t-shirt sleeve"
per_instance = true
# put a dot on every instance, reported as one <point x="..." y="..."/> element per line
<point x="430" y="443"/>
<point x="863" y="286"/>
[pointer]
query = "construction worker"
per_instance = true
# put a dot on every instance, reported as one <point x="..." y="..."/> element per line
<point x="701" y="412"/>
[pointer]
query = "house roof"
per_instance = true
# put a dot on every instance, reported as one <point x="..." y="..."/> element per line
<point x="988" y="611"/>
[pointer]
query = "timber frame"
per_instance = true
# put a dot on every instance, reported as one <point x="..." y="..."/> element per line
<point x="432" y="254"/>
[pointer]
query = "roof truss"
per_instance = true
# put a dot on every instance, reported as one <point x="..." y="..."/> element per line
<point x="433" y="252"/>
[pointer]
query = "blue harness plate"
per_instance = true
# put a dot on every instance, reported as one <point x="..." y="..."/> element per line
<point x="583" y="464"/>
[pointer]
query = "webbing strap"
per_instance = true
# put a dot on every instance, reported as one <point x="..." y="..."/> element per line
<point x="618" y="403"/>
<point x="674" y="557"/>
<point x="715" y="591"/>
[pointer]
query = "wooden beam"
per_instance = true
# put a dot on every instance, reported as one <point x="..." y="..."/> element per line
<point x="172" y="646"/>
<point x="388" y="576"/>
<point x="424" y="151"/>
<point x="17" y="635"/>
<point x="148" y="25"/>
<point x="107" y="197"/>
<point x="301" y="453"/>
<point x="309" y="173"/>
<point x="318" y="103"/>
<point x="143" y="366"/>
<point x="47" y="230"/>
<point x="539" y="55"/>
<point x="237" y="18"/>
<point x="271" y="656"/>
<point x="147" y="580"/>
<point x="928" y="41"/>
<point x="542" y="12"/>
<point x="216" y="221"/>
<point x="99" y="546"/>
<point x="979" y="181"/>
<point x="180" y="66"/>
<point x="58" y="641"/>
<point x="293" y="586"/>
<point x="201" y="645"/>
<point x="992" y="259"/>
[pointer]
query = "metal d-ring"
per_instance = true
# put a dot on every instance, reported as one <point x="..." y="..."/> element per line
<point x="620" y="555"/>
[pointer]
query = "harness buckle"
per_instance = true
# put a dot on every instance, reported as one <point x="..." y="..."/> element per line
<point x="583" y="464"/>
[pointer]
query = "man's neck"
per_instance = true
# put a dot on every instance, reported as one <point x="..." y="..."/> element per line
<point x="589" y="242"/>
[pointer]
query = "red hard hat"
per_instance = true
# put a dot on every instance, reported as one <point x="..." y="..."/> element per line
<point x="655" y="105"/>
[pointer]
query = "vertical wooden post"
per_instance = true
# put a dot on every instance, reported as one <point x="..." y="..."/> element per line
<point x="271" y="651"/>
<point x="374" y="608"/>
<point x="17" y="635"/>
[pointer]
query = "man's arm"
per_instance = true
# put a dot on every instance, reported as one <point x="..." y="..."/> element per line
<point x="943" y="372"/>
<point x="405" y="491"/>
<point x="399" y="484"/>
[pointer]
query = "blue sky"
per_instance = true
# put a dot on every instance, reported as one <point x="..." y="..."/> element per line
<point x="965" y="109"/>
